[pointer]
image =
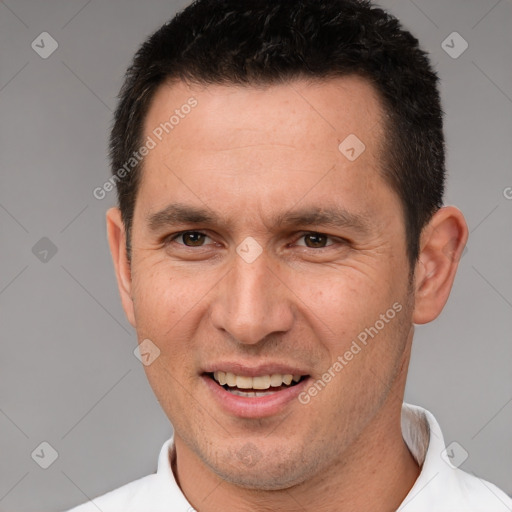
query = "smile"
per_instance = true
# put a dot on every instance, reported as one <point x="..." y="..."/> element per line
<point x="258" y="386"/>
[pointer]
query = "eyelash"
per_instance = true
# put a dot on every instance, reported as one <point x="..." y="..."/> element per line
<point x="173" y="237"/>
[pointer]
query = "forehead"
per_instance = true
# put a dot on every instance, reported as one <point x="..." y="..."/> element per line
<point x="337" y="106"/>
<point x="255" y="142"/>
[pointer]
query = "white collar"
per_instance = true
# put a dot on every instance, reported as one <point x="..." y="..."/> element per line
<point x="441" y="485"/>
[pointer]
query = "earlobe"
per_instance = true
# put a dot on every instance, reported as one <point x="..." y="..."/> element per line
<point x="117" y="241"/>
<point x="441" y="246"/>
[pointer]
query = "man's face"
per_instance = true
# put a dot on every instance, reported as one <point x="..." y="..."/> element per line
<point x="262" y="291"/>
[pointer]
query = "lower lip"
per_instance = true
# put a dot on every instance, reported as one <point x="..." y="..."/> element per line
<point x="256" y="406"/>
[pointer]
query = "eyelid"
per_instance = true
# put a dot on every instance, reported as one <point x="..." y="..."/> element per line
<point x="334" y="239"/>
<point x="172" y="238"/>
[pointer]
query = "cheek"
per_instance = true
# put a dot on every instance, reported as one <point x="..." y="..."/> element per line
<point x="345" y="299"/>
<point x="344" y="309"/>
<point x="163" y="297"/>
<point x="169" y="306"/>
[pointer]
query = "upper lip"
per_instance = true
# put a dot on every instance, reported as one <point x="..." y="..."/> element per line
<point x="255" y="370"/>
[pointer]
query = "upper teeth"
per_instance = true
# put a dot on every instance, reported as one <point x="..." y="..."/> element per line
<point x="260" y="382"/>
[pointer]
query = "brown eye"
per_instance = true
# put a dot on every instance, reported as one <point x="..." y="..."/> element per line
<point x="316" y="240"/>
<point x="191" y="238"/>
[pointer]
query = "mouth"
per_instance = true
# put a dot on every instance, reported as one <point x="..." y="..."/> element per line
<point x="258" y="386"/>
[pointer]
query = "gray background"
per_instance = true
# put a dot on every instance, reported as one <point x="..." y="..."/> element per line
<point x="68" y="375"/>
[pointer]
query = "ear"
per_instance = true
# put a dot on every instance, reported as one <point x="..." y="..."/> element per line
<point x="441" y="245"/>
<point x="117" y="241"/>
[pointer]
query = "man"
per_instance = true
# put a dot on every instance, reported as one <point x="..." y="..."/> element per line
<point x="280" y="230"/>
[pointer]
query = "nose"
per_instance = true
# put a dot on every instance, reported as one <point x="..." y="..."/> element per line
<point x="252" y="302"/>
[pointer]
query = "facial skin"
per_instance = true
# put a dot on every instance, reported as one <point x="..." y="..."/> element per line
<point x="249" y="155"/>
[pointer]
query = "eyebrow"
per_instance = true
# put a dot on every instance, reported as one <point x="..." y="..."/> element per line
<point x="178" y="213"/>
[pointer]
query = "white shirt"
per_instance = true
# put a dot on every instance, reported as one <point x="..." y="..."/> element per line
<point x="440" y="487"/>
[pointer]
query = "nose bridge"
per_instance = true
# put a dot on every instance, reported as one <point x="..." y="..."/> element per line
<point x="251" y="303"/>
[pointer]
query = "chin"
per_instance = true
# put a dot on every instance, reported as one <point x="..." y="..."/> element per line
<point x="269" y="470"/>
<point x="260" y="480"/>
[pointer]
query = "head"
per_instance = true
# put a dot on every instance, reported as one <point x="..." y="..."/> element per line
<point x="288" y="216"/>
<point x="260" y="43"/>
